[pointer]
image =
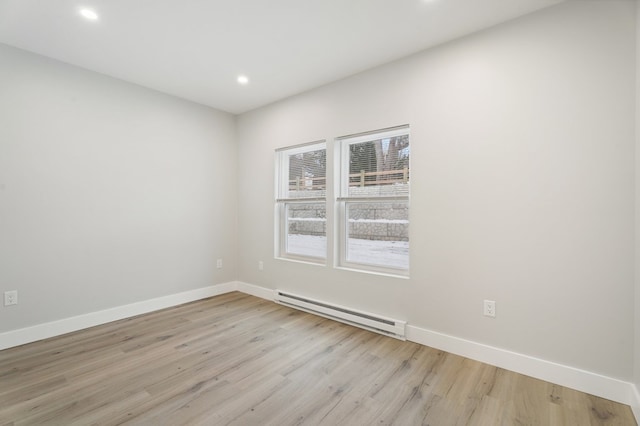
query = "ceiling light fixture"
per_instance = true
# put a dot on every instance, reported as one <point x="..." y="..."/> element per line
<point x="243" y="79"/>
<point x="89" y="14"/>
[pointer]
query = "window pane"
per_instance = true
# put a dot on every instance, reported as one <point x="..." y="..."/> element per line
<point x="301" y="202"/>
<point x="378" y="234"/>
<point x="307" y="174"/>
<point x="307" y="229"/>
<point x="379" y="167"/>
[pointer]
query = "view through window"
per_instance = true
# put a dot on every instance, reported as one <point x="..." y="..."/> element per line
<point x="374" y="200"/>
<point x="301" y="203"/>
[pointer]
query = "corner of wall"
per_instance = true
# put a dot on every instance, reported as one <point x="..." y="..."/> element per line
<point x="636" y="356"/>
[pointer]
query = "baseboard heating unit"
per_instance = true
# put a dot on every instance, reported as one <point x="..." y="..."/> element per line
<point x="372" y="322"/>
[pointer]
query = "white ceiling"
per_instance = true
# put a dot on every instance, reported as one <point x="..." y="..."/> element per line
<point x="194" y="49"/>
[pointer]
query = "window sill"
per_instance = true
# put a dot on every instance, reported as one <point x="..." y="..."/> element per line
<point x="400" y="275"/>
<point x="303" y="261"/>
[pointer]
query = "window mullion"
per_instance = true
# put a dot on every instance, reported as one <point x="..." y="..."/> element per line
<point x="372" y="199"/>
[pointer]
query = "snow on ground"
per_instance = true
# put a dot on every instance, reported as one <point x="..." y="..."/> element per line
<point x="386" y="253"/>
<point x="394" y="254"/>
<point x="307" y="245"/>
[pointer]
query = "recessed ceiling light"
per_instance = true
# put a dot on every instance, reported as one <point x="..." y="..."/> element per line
<point x="89" y="14"/>
<point x="243" y="79"/>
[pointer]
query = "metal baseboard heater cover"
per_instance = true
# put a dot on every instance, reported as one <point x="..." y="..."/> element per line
<point x="387" y="326"/>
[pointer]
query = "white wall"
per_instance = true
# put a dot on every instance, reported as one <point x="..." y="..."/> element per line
<point x="522" y="188"/>
<point x="637" y="278"/>
<point x="522" y="185"/>
<point x="109" y="193"/>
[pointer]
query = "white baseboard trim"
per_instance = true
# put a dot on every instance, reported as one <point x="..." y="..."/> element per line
<point x="67" y="325"/>
<point x="635" y="406"/>
<point x="254" y="290"/>
<point x="585" y="381"/>
<point x="571" y="377"/>
<point x="564" y="375"/>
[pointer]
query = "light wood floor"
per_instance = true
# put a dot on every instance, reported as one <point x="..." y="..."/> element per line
<point x="236" y="359"/>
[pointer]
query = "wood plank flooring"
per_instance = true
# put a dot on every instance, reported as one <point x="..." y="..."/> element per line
<point x="239" y="360"/>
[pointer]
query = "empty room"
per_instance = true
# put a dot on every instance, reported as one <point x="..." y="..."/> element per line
<point x="320" y="212"/>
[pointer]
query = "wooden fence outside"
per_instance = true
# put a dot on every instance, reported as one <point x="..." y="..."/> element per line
<point x="361" y="179"/>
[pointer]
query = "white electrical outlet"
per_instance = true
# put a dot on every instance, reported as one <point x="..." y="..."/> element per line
<point x="490" y="308"/>
<point x="11" y="297"/>
<point x="260" y="265"/>
<point x="219" y="264"/>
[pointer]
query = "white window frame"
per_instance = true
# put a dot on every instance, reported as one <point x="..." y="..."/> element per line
<point x="343" y="200"/>
<point x="282" y="202"/>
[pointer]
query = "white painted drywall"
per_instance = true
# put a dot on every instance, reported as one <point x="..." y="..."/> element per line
<point x="110" y="193"/>
<point x="522" y="185"/>
<point x="637" y="233"/>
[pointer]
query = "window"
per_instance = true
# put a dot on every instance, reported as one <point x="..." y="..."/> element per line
<point x="373" y="201"/>
<point x="301" y="208"/>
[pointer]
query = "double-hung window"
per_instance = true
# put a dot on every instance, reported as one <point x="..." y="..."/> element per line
<point x="373" y="201"/>
<point x="301" y="208"/>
